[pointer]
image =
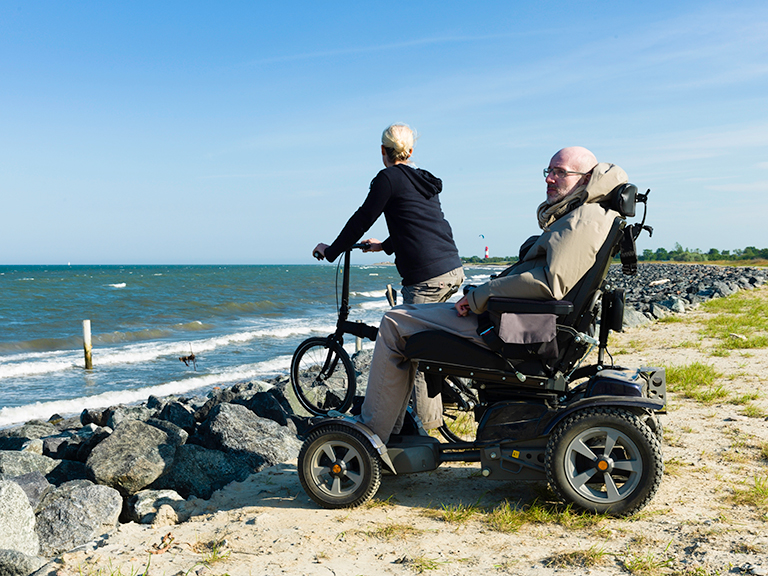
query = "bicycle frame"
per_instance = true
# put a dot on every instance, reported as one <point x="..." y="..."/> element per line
<point x="343" y="325"/>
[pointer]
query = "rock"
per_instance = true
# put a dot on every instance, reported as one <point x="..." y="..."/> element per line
<point x="35" y="486"/>
<point x="144" y="507"/>
<point x="178" y="414"/>
<point x="132" y="457"/>
<point x="199" y="471"/>
<point x="93" y="416"/>
<point x="260" y="442"/>
<point x="66" y="470"/>
<point x="17" y="463"/>
<point x="14" y="563"/>
<point x="76" y="513"/>
<point x="116" y="415"/>
<point x="17" y="520"/>
<point x="634" y="318"/>
<point x="176" y="435"/>
<point x="30" y="430"/>
<point x="265" y="404"/>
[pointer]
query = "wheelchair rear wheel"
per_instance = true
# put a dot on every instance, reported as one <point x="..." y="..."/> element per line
<point x="338" y="467"/>
<point x="322" y="376"/>
<point x="605" y="460"/>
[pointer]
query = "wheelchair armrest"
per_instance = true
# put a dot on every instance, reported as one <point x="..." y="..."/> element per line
<point x="520" y="306"/>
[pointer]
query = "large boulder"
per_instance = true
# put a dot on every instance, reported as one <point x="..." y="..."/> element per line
<point x="132" y="457"/>
<point x="75" y="513"/>
<point x="14" y="463"/>
<point x="17" y="520"/>
<point x="236" y="430"/>
<point x="199" y="471"/>
<point x="30" y="430"/>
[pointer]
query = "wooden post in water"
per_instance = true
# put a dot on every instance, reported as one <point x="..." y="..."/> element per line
<point x="87" y="344"/>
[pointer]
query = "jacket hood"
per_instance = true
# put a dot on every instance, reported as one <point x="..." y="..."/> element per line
<point x="605" y="177"/>
<point x="425" y="182"/>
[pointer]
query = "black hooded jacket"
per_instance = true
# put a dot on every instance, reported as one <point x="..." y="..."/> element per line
<point x="419" y="234"/>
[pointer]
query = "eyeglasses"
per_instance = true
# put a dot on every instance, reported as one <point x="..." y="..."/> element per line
<point x="560" y="173"/>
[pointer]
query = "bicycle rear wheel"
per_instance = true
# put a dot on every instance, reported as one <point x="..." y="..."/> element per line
<point x="459" y="401"/>
<point x="322" y="376"/>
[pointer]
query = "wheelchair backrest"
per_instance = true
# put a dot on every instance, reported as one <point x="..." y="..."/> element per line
<point x="586" y="294"/>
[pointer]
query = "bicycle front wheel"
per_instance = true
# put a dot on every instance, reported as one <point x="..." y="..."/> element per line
<point x="322" y="376"/>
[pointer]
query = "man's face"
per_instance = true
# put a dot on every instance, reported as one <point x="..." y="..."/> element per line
<point x="559" y="182"/>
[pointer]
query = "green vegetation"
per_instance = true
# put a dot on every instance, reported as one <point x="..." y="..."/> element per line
<point x="502" y="261"/>
<point x="749" y="256"/>
<point x="680" y="254"/>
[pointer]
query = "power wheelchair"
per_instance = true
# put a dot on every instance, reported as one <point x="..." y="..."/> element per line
<point x="590" y="431"/>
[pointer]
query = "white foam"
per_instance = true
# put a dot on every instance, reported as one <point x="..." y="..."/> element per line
<point x="120" y="285"/>
<point x="44" y="410"/>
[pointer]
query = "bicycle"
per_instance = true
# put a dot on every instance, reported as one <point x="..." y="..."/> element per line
<point x="319" y="383"/>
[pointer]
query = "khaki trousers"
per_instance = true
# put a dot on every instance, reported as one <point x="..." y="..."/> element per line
<point x="437" y="289"/>
<point x="391" y="379"/>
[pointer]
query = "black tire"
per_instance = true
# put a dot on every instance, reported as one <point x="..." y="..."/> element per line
<point x="322" y="376"/>
<point x="459" y="401"/>
<point x="338" y="467"/>
<point x="604" y="460"/>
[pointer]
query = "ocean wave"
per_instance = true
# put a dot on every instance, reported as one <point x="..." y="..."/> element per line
<point x="370" y="294"/>
<point x="118" y="285"/>
<point x="35" y="364"/>
<point x="230" y="376"/>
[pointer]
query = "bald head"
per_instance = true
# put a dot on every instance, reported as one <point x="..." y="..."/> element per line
<point x="561" y="180"/>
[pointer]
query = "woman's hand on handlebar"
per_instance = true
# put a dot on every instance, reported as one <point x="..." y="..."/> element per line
<point x="462" y="307"/>
<point x="374" y="245"/>
<point x="319" y="251"/>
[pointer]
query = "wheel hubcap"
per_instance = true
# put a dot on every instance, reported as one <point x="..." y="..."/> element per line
<point x="603" y="465"/>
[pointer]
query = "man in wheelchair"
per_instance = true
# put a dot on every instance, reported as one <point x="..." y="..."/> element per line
<point x="575" y="223"/>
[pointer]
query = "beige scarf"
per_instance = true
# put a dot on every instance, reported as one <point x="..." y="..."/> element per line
<point x="548" y="213"/>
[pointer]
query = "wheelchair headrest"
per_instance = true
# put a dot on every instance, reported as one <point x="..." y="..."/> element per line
<point x="622" y="199"/>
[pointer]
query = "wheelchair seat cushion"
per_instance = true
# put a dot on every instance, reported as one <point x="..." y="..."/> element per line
<point x="439" y="346"/>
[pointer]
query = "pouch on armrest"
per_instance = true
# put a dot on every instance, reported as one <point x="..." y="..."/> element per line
<point x="523" y="329"/>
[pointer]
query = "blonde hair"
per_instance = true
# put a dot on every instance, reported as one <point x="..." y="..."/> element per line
<point x="398" y="140"/>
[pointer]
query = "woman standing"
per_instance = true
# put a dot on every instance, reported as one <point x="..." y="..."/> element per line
<point x="419" y="236"/>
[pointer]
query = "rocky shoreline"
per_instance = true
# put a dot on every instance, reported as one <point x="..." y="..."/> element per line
<point x="69" y="481"/>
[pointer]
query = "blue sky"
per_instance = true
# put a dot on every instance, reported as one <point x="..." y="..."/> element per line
<point x="244" y="132"/>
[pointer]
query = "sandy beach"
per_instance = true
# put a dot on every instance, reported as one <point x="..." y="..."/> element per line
<point x="452" y="521"/>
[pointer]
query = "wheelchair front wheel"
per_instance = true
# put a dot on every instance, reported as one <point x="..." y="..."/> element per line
<point x="604" y="460"/>
<point x="338" y="467"/>
<point x="322" y="376"/>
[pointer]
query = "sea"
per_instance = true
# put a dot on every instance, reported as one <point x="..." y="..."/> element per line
<point x="241" y="323"/>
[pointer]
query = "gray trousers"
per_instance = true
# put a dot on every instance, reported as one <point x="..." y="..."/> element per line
<point x="391" y="380"/>
<point x="437" y="289"/>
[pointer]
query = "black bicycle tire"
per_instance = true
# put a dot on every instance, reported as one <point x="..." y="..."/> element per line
<point x="346" y="396"/>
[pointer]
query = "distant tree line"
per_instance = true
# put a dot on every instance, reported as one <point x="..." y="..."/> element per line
<point x="678" y="254"/>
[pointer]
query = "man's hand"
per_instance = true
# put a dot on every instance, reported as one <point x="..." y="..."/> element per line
<point x="374" y="245"/>
<point x="319" y="251"/>
<point x="462" y="307"/>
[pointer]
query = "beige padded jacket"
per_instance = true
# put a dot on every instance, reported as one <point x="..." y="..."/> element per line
<point x="561" y="255"/>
